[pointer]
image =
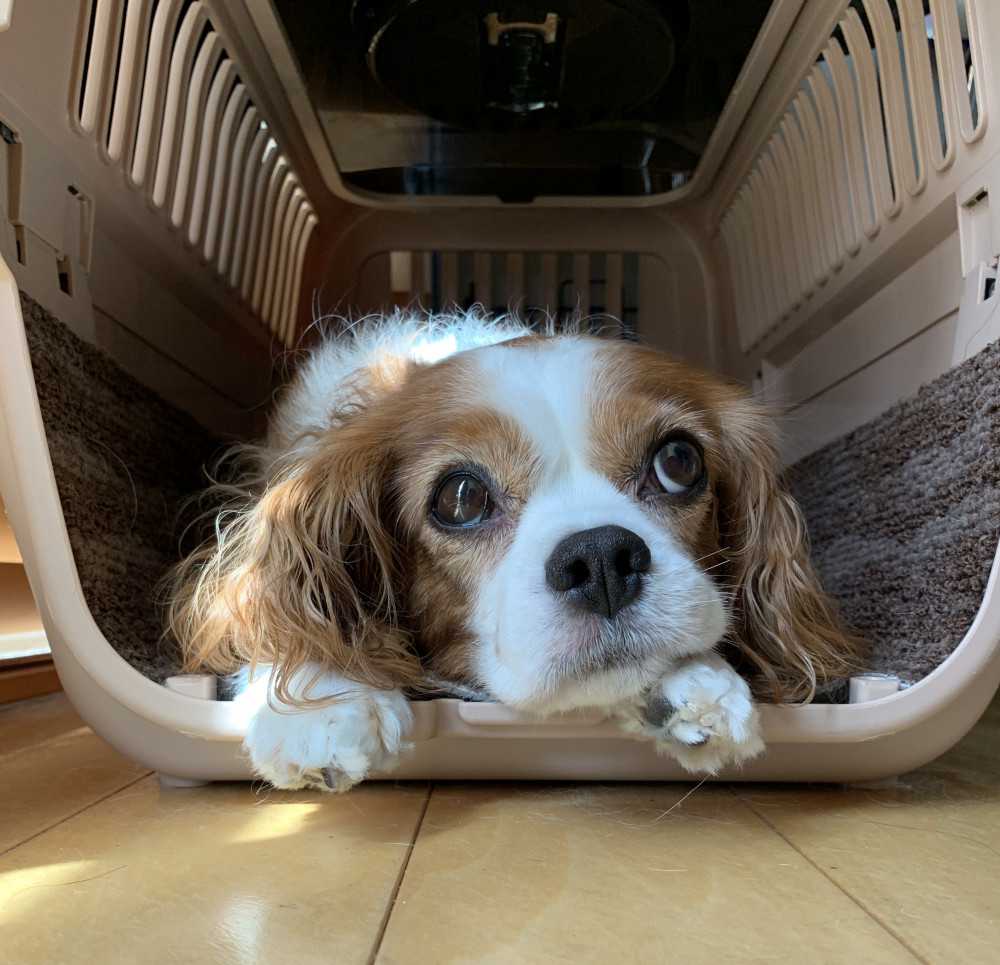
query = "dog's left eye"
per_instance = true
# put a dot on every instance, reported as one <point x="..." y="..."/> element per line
<point x="678" y="465"/>
<point x="462" y="500"/>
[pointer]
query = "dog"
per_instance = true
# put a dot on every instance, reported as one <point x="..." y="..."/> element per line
<point x="551" y="521"/>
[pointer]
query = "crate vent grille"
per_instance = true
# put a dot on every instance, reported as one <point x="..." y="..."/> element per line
<point x="165" y="102"/>
<point x="602" y="287"/>
<point x="882" y="113"/>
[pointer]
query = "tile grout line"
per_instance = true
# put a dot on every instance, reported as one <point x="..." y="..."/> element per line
<point x="75" y="814"/>
<point x="398" y="884"/>
<point x="833" y="881"/>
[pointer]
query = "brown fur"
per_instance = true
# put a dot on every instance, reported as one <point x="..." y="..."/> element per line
<point x="332" y="560"/>
<point x="336" y="564"/>
<point x="304" y="574"/>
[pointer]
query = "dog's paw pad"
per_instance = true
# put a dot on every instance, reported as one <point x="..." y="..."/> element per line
<point x="330" y="779"/>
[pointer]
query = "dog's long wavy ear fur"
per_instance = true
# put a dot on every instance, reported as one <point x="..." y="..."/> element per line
<point x="301" y="574"/>
<point x="786" y="629"/>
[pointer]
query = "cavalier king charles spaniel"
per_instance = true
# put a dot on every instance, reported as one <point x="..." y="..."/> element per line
<point x="551" y="521"/>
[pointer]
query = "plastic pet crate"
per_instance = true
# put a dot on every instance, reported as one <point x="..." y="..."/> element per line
<point x="184" y="183"/>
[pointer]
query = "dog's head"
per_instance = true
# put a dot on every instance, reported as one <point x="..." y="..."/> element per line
<point x="554" y="521"/>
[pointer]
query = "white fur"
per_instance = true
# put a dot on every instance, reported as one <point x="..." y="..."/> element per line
<point x="527" y="632"/>
<point x="357" y="733"/>
<point x="327" y="379"/>
<point x="712" y="719"/>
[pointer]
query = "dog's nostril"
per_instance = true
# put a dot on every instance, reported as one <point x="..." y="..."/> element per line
<point x="578" y="573"/>
<point x="599" y="569"/>
<point x="632" y="560"/>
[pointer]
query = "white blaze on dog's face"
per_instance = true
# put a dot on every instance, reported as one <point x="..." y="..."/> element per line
<point x="559" y="502"/>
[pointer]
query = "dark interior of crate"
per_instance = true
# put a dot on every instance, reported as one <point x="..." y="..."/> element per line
<point x="902" y="513"/>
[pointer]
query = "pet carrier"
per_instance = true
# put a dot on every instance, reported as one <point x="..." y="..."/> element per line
<point x="793" y="193"/>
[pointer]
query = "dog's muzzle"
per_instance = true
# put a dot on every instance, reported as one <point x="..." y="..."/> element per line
<point x="599" y="570"/>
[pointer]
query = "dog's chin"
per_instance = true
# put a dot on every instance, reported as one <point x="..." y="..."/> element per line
<point x="594" y="669"/>
<point x="604" y="689"/>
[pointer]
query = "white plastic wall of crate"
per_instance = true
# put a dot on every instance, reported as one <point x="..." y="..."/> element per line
<point x="54" y="279"/>
<point x="50" y="202"/>
<point x="916" y="326"/>
<point x="155" y="337"/>
<point x="978" y="205"/>
<point x="11" y="171"/>
<point x="46" y="89"/>
<point x="182" y="82"/>
<point x="879" y="133"/>
<point x="210" y="383"/>
<point x="117" y="305"/>
<point x="46" y="226"/>
<point x="978" y="318"/>
<point x="978" y="201"/>
<point x="678" y="311"/>
<point x="6" y="9"/>
<point x="531" y="284"/>
<point x="161" y="96"/>
<point x="880" y="352"/>
<point x="802" y="42"/>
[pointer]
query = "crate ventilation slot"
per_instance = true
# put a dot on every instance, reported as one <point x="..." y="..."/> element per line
<point x="603" y="286"/>
<point x="166" y="103"/>
<point x="882" y="114"/>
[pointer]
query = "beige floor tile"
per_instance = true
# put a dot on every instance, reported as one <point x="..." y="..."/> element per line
<point x="920" y="853"/>
<point x="216" y="874"/>
<point x="29" y="722"/>
<point x="591" y="874"/>
<point x="44" y="783"/>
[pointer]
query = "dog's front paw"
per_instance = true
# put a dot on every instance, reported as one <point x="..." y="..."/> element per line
<point x="702" y="714"/>
<point x="332" y="745"/>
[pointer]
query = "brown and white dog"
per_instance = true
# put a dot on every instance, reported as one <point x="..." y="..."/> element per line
<point x="550" y="521"/>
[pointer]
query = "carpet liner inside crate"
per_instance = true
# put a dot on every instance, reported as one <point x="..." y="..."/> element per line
<point x="125" y="462"/>
<point x="902" y="513"/>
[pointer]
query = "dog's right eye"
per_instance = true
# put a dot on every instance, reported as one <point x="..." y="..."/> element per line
<point x="462" y="499"/>
<point x="678" y="465"/>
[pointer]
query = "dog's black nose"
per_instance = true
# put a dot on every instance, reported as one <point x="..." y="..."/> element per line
<point x="600" y="569"/>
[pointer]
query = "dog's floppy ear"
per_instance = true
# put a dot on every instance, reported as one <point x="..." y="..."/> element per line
<point x="787" y="632"/>
<point x="305" y="573"/>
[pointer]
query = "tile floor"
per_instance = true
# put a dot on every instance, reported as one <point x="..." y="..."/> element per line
<point x="99" y="864"/>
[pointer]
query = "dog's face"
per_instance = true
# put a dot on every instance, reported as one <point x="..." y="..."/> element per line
<point x="554" y="521"/>
<point x="559" y="503"/>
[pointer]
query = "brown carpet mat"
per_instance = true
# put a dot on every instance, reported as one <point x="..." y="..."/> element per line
<point x="125" y="460"/>
<point x="903" y="512"/>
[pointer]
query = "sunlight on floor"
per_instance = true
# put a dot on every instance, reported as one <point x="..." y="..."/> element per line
<point x="106" y="865"/>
